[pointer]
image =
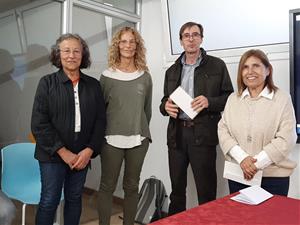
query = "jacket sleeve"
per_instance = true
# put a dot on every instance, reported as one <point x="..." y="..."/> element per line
<point x="165" y="97"/>
<point x="46" y="136"/>
<point x="217" y="104"/>
<point x="97" y="136"/>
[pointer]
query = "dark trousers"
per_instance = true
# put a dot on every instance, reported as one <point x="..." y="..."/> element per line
<point x="274" y="185"/>
<point x="111" y="162"/>
<point x="55" y="177"/>
<point x="203" y="163"/>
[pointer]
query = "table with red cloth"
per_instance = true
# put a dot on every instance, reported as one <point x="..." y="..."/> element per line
<point x="278" y="210"/>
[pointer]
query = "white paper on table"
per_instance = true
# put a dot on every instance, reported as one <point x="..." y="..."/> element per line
<point x="183" y="100"/>
<point x="252" y="195"/>
<point x="233" y="171"/>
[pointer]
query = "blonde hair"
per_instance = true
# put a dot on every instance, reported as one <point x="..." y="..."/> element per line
<point x="140" y="54"/>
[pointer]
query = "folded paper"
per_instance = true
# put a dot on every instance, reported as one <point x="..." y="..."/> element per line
<point x="253" y="195"/>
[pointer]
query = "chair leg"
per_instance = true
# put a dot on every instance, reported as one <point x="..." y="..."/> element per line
<point x="23" y="213"/>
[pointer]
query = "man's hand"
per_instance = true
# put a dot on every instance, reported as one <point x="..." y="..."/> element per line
<point x="67" y="156"/>
<point x="83" y="159"/>
<point x="249" y="167"/>
<point x="199" y="103"/>
<point x="171" y="108"/>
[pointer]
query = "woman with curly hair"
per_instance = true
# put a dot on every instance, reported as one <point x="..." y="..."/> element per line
<point x="68" y="122"/>
<point x="127" y="90"/>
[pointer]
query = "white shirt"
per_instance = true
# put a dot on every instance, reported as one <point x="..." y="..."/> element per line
<point x="77" y="109"/>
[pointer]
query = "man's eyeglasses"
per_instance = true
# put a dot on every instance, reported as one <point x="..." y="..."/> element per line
<point x="187" y="36"/>
<point x="76" y="52"/>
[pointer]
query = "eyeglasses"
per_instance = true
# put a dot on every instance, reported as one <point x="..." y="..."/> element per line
<point x="76" y="52"/>
<point x="125" y="42"/>
<point x="187" y="36"/>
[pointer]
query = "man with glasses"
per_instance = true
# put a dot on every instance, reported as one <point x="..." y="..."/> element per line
<point x="193" y="141"/>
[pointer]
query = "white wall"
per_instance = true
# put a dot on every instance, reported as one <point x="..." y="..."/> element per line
<point x="156" y="162"/>
<point x="219" y="14"/>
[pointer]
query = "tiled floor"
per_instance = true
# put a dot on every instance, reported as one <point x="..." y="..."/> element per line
<point x="89" y="214"/>
<point x="115" y="220"/>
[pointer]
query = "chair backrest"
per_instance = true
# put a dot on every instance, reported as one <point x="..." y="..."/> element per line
<point x="20" y="170"/>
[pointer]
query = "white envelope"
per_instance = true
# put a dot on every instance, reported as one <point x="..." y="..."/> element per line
<point x="252" y="195"/>
<point x="233" y="171"/>
<point x="183" y="100"/>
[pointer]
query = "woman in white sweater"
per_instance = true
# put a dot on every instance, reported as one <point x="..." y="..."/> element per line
<point x="258" y="126"/>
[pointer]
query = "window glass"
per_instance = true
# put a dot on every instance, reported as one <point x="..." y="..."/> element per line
<point x="127" y="5"/>
<point x="9" y="35"/>
<point x="43" y="24"/>
<point x="24" y="59"/>
<point x="98" y="35"/>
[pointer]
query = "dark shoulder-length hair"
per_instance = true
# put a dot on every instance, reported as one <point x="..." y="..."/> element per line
<point x="264" y="59"/>
<point x="55" y="51"/>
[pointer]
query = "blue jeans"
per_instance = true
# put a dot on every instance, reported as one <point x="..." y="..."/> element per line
<point x="274" y="185"/>
<point x="55" y="177"/>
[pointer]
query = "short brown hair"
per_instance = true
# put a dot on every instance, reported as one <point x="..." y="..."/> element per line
<point x="55" y="51"/>
<point x="188" y="25"/>
<point x="264" y="59"/>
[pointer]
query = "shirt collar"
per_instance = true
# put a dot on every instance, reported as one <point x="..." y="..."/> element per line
<point x="64" y="77"/>
<point x="197" y="61"/>
<point x="266" y="93"/>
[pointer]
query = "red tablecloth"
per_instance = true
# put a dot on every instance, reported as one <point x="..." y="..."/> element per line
<point x="277" y="210"/>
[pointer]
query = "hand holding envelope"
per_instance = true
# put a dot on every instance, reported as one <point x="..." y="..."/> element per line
<point x="187" y="104"/>
<point x="233" y="171"/>
<point x="199" y="103"/>
<point x="171" y="108"/>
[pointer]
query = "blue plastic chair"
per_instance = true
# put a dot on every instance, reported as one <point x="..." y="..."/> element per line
<point x="21" y="174"/>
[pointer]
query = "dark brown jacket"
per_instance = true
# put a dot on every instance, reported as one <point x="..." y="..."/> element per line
<point x="212" y="80"/>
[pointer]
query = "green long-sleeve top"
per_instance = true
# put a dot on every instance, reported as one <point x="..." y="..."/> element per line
<point x="128" y="100"/>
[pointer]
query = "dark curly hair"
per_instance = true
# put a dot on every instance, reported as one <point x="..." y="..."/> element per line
<point x="55" y="51"/>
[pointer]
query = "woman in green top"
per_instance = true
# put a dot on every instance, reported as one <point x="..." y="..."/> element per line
<point x="127" y="90"/>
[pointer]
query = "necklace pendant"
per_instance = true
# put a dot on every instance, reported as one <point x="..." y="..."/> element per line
<point x="249" y="138"/>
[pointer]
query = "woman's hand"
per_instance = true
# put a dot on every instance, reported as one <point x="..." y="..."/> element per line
<point x="249" y="167"/>
<point x="67" y="156"/>
<point x="83" y="159"/>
